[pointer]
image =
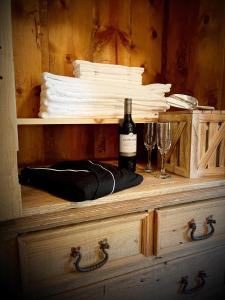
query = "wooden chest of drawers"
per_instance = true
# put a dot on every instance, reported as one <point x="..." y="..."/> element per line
<point x="189" y="226"/>
<point x="49" y="255"/>
<point x="152" y="240"/>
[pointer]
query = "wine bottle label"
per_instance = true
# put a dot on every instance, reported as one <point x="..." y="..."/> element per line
<point x="128" y="144"/>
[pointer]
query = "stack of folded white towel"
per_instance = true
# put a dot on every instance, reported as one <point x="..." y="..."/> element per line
<point x="113" y="73"/>
<point x="100" y="91"/>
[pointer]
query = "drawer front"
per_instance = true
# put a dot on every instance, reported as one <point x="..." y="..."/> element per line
<point x="174" y="226"/>
<point x="163" y="281"/>
<point x="46" y="258"/>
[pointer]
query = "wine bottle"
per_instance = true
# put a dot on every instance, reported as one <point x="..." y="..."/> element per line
<point x="127" y="139"/>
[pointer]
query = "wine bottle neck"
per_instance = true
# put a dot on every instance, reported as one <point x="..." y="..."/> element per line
<point x="127" y="117"/>
<point x="127" y="107"/>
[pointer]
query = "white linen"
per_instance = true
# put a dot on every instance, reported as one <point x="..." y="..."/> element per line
<point x="74" y="97"/>
<point x="110" y="72"/>
<point x="83" y="65"/>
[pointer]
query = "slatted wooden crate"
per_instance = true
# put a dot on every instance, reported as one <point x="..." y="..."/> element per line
<point x="198" y="143"/>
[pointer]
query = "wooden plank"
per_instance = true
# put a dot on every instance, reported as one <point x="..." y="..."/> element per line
<point x="214" y="143"/>
<point x="68" y="142"/>
<point x="88" y="120"/>
<point x="222" y="153"/>
<point x="27" y="56"/>
<point x="43" y="12"/>
<point x="27" y="48"/>
<point x="218" y="116"/>
<point x="111" y="33"/>
<point x="31" y="145"/>
<point x="177" y="132"/>
<point x="203" y="128"/>
<point x="10" y="198"/>
<point x="147" y="234"/>
<point x="146" y="36"/>
<point x="213" y="128"/>
<point x="173" y="154"/>
<point x="179" y="48"/>
<point x="218" y="171"/>
<point x="184" y="152"/>
<point x="106" y="142"/>
<point x="191" y="43"/>
<point x="192" y="144"/>
<point x="105" y="31"/>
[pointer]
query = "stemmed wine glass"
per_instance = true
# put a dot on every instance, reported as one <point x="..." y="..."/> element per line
<point x="163" y="131"/>
<point x="149" y="142"/>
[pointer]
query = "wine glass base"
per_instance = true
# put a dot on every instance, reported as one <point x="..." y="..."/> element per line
<point x="148" y="170"/>
<point x="162" y="176"/>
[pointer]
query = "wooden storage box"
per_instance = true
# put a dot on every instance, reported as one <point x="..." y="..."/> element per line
<point x="198" y="143"/>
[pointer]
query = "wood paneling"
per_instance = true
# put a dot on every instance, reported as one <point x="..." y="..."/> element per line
<point x="146" y="33"/>
<point x="49" y="35"/>
<point x="27" y="56"/>
<point x="10" y="194"/>
<point x="196" y="50"/>
<point x="177" y="42"/>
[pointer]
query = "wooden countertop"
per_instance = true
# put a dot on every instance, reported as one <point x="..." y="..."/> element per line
<point x="39" y="202"/>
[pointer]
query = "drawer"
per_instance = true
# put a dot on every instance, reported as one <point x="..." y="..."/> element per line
<point x="163" y="281"/>
<point x="47" y="258"/>
<point x="185" y="227"/>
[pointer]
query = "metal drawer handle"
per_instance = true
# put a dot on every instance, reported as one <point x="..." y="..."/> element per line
<point x="210" y="221"/>
<point x="200" y="283"/>
<point x="75" y="252"/>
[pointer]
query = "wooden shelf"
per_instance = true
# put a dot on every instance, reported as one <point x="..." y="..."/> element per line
<point x="40" y="202"/>
<point x="83" y="120"/>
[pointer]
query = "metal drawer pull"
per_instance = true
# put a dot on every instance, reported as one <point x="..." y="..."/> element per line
<point x="75" y="252"/>
<point x="200" y="283"/>
<point x="210" y="221"/>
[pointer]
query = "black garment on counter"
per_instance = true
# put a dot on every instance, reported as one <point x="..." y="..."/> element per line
<point x="79" y="180"/>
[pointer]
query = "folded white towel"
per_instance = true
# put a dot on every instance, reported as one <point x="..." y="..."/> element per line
<point x="74" y="96"/>
<point x="71" y="83"/>
<point x="82" y="65"/>
<point x="99" y="74"/>
<point x="111" y="79"/>
<point x="136" y="79"/>
<point x="98" y="107"/>
<point x="102" y="104"/>
<point x="52" y="112"/>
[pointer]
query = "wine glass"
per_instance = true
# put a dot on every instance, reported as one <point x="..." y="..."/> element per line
<point x="149" y="142"/>
<point x="163" y="133"/>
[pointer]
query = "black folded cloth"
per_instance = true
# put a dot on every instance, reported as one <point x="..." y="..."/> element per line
<point x="80" y="180"/>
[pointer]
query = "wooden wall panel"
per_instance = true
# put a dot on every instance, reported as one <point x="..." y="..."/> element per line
<point x="31" y="145"/>
<point x="10" y="194"/>
<point x="27" y="56"/>
<point x="111" y="34"/>
<point x="49" y="35"/>
<point x="28" y="67"/>
<point x="146" y="34"/>
<point x="196" y="50"/>
<point x="65" y="142"/>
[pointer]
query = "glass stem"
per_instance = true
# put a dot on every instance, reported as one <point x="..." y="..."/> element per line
<point x="149" y="165"/>
<point x="163" y="171"/>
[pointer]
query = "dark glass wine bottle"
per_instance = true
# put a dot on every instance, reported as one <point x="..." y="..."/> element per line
<point x="127" y="139"/>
